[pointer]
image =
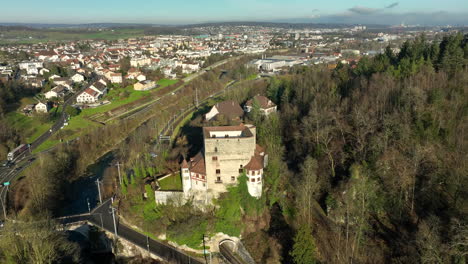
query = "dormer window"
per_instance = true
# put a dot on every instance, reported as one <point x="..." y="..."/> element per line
<point x="213" y="136"/>
<point x="226" y="136"/>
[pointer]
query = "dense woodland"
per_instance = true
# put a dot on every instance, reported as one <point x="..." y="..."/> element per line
<point x="369" y="164"/>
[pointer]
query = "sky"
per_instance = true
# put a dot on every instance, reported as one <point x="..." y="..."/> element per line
<point x="199" y="11"/>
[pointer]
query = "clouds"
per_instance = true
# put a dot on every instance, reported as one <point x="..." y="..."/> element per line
<point x="362" y="10"/>
<point x="392" y="5"/>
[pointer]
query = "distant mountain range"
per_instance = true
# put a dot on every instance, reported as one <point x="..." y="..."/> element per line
<point x="299" y="23"/>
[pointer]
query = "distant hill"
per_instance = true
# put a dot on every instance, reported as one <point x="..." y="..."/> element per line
<point x="296" y="24"/>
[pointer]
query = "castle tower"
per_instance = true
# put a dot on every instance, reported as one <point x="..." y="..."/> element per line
<point x="186" y="181"/>
<point x="254" y="172"/>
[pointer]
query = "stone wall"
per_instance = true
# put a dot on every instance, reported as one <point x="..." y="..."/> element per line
<point x="163" y="197"/>
<point x="231" y="154"/>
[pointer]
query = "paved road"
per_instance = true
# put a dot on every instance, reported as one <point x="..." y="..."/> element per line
<point x="101" y="216"/>
<point x="59" y="123"/>
<point x="26" y="158"/>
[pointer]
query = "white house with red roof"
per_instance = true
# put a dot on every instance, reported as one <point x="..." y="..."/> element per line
<point x="88" y="96"/>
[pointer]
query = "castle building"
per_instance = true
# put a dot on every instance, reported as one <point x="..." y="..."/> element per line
<point x="228" y="152"/>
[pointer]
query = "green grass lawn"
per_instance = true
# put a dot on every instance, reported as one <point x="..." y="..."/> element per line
<point x="76" y="125"/>
<point x="252" y="77"/>
<point x="46" y="145"/>
<point x="166" y="82"/>
<point x="30" y="127"/>
<point x="115" y="94"/>
<point x="171" y="183"/>
<point x="79" y="124"/>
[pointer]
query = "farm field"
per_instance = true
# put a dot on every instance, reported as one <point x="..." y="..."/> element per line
<point x="36" y="36"/>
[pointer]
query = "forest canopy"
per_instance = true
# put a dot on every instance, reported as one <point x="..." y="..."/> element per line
<point x="375" y="156"/>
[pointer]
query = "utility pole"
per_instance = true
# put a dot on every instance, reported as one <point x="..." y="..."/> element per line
<point x="204" y="250"/>
<point x="4" y="203"/>
<point x="99" y="190"/>
<point x="113" y="217"/>
<point x="120" y="177"/>
<point x="147" y="246"/>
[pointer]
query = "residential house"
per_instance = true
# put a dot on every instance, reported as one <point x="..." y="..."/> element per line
<point x="265" y="105"/>
<point x="61" y="80"/>
<point x="100" y="87"/>
<point x="42" y="107"/>
<point x="190" y="67"/>
<point x="77" y="78"/>
<point x="141" y="77"/>
<point x="140" y="62"/>
<point x="54" y="76"/>
<point x="88" y="96"/>
<point x="144" y="85"/>
<point x="47" y="55"/>
<point x="116" y="77"/>
<point x="35" y="82"/>
<point x="229" y="109"/>
<point x="28" y="109"/>
<point x="57" y="92"/>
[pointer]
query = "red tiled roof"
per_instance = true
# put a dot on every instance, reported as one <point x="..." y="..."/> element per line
<point x="197" y="164"/>
<point x="91" y="92"/>
<point x="184" y="164"/>
<point x="255" y="163"/>
<point x="259" y="150"/>
<point x="262" y="101"/>
<point x="230" y="109"/>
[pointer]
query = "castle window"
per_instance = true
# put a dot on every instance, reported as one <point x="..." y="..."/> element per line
<point x="204" y="185"/>
<point x="241" y="166"/>
<point x="216" y="149"/>
<point x="258" y="179"/>
<point x="213" y="136"/>
<point x="252" y="180"/>
<point x="214" y="158"/>
<point x="203" y="177"/>
<point x="241" y="170"/>
<point x="218" y="171"/>
<point x="233" y="178"/>
<point x="226" y="136"/>
<point x="218" y="180"/>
